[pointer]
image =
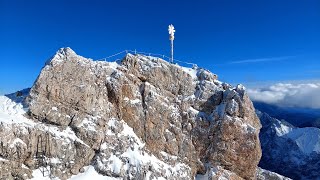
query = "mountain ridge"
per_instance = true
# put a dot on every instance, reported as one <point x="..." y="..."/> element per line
<point x="180" y="122"/>
<point x="289" y="150"/>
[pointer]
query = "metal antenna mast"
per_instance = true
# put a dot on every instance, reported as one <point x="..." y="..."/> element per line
<point x="171" y="37"/>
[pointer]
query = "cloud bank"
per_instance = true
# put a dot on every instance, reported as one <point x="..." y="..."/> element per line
<point x="289" y="95"/>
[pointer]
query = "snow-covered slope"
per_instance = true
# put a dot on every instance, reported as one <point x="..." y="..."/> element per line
<point x="288" y="150"/>
<point x="13" y="112"/>
<point x="307" y="139"/>
<point x="91" y="173"/>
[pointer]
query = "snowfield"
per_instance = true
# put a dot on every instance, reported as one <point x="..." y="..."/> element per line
<point x="10" y="110"/>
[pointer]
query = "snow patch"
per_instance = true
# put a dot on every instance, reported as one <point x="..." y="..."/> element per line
<point x="38" y="175"/>
<point x="116" y="164"/>
<point x="282" y="129"/>
<point x="1" y="159"/>
<point x="113" y="65"/>
<point x="55" y="160"/>
<point x="192" y="72"/>
<point x="91" y="173"/>
<point x="132" y="101"/>
<point x="88" y="124"/>
<point x="17" y="141"/>
<point x="12" y="112"/>
<point x="249" y="128"/>
<point x="194" y="111"/>
<point x="67" y="133"/>
<point x="135" y="156"/>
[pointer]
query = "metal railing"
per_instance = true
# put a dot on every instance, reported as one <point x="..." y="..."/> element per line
<point x="135" y="52"/>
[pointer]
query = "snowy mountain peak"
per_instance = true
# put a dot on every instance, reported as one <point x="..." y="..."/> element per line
<point x="66" y="51"/>
<point x="289" y="150"/>
<point x="307" y="139"/>
<point x="61" y="55"/>
<point x="141" y="118"/>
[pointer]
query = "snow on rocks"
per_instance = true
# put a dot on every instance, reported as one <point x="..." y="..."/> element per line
<point x="217" y="173"/>
<point x="192" y="72"/>
<point x="141" y="118"/>
<point x="130" y="155"/>
<point x="20" y="136"/>
<point x="263" y="174"/>
<point x="17" y="142"/>
<point x="91" y="173"/>
<point x="1" y="159"/>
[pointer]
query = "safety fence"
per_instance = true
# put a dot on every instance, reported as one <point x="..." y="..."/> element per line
<point x="115" y="57"/>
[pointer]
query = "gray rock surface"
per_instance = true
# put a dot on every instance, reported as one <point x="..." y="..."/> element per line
<point x="136" y="119"/>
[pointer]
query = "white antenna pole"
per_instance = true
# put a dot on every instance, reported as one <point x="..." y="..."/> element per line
<point x="171" y="37"/>
<point x="171" y="51"/>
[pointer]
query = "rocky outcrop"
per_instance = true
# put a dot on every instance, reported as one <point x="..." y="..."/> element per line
<point x="139" y="118"/>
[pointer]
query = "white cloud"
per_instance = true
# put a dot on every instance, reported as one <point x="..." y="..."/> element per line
<point x="282" y="58"/>
<point x="288" y="95"/>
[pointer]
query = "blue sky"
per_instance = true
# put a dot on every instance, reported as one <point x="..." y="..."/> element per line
<point x="245" y="42"/>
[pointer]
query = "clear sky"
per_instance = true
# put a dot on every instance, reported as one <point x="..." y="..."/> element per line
<point x="243" y="41"/>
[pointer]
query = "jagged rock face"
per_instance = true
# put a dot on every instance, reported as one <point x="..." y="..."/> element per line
<point x="22" y="145"/>
<point x="288" y="150"/>
<point x="184" y="118"/>
<point x="23" y="142"/>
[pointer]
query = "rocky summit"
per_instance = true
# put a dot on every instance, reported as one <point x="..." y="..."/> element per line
<point x="138" y="118"/>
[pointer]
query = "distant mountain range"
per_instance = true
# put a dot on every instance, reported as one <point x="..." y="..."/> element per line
<point x="299" y="117"/>
<point x="289" y="150"/>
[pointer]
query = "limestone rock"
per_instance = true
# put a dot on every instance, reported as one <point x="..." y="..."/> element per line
<point x="137" y="119"/>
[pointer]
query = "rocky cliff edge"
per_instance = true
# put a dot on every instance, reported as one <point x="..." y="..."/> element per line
<point x="139" y="118"/>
